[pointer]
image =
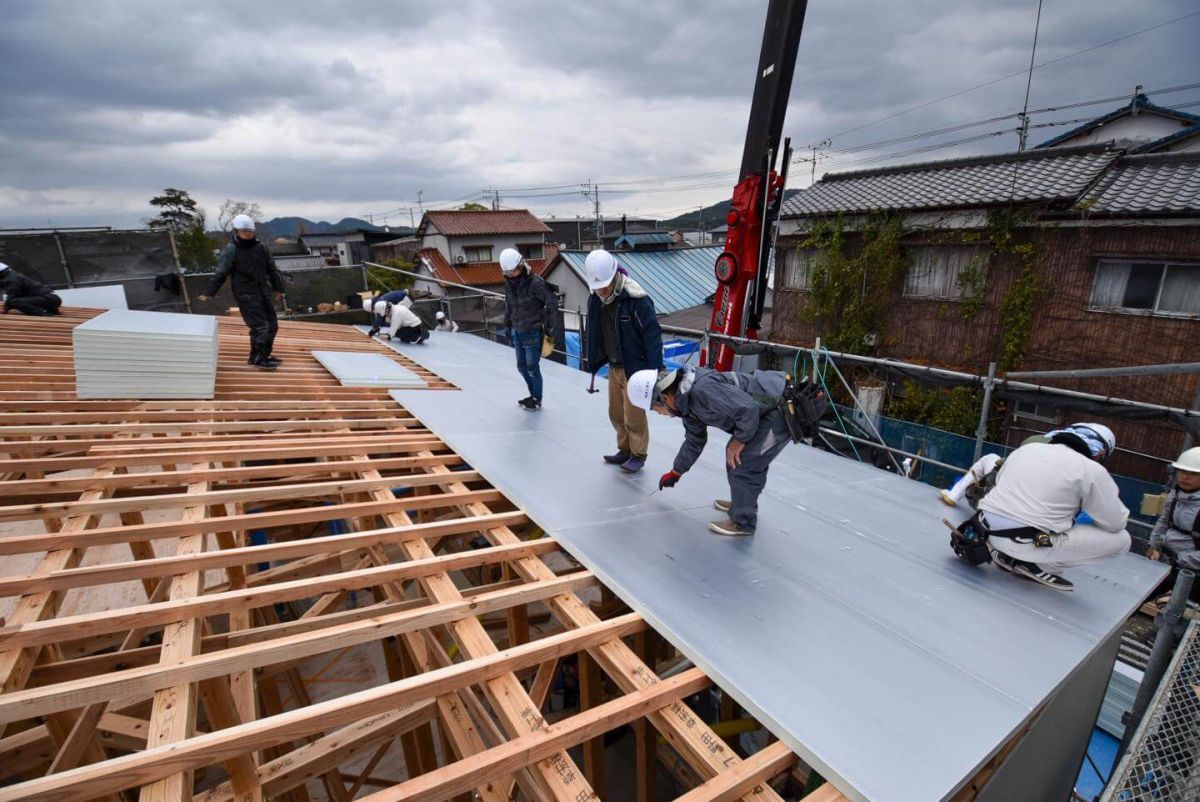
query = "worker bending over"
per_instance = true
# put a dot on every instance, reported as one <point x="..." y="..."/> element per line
<point x="744" y="405"/>
<point x="391" y="297"/>
<point x="23" y="294"/>
<point x="403" y="323"/>
<point x="1029" y="516"/>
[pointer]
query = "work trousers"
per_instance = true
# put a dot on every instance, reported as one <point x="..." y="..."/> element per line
<point x="408" y="334"/>
<point x="747" y="480"/>
<point x="633" y="430"/>
<point x="1079" y="545"/>
<point x="36" y="305"/>
<point x="258" y="312"/>
<point x="528" y="345"/>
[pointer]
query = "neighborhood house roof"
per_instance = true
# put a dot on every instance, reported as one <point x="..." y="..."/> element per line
<point x="1043" y="176"/>
<point x="479" y="274"/>
<point x="306" y="262"/>
<point x="468" y="224"/>
<point x="1168" y="182"/>
<point x="1140" y="105"/>
<point x="646" y="238"/>
<point x="675" y="279"/>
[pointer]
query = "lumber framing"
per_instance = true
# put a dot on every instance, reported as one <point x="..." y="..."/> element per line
<point x="295" y="590"/>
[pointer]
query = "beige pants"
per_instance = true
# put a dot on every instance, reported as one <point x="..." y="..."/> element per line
<point x="633" y="431"/>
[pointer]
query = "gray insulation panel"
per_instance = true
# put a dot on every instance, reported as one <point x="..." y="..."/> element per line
<point x="358" y="369"/>
<point x="845" y="625"/>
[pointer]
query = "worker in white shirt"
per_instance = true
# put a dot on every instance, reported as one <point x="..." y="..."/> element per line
<point x="444" y="323"/>
<point x="403" y="323"/>
<point x="1029" y="516"/>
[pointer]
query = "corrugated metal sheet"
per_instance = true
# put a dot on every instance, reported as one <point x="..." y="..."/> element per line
<point x="646" y="238"/>
<point x="675" y="279"/>
<point x="291" y="264"/>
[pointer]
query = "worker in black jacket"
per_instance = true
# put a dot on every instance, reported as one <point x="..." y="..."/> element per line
<point x="530" y="315"/>
<point x="23" y="294"/>
<point x="256" y="282"/>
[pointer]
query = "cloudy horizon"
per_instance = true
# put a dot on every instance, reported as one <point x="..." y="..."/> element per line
<point x="366" y="112"/>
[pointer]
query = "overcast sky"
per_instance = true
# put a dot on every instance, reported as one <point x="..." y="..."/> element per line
<point x="327" y="110"/>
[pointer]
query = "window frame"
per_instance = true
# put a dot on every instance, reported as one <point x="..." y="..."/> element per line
<point x="522" y="247"/>
<point x="469" y="249"/>
<point x="976" y="251"/>
<point x="1164" y="263"/>
<point x="790" y="265"/>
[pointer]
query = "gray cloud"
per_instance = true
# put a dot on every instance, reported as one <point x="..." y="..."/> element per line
<point x="332" y="111"/>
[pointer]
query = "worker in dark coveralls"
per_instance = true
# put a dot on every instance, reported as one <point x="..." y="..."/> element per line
<point x="256" y="284"/>
<point x="23" y="294"/>
<point x="530" y="316"/>
<point x="744" y="405"/>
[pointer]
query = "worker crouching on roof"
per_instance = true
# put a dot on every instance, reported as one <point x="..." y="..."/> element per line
<point x="1029" y="516"/>
<point x="390" y="298"/>
<point x="1176" y="535"/>
<point x="23" y="294"/>
<point x="256" y="284"/>
<point x="403" y="323"/>
<point x="745" y="405"/>
<point x="530" y="315"/>
<point x="623" y="333"/>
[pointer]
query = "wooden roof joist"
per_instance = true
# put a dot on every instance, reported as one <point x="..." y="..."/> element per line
<point x="227" y="600"/>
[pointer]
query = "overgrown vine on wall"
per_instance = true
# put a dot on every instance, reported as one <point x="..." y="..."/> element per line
<point x="972" y="280"/>
<point x="1020" y="304"/>
<point x="849" y="294"/>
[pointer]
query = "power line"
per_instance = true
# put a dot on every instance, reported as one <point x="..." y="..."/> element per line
<point x="1014" y="74"/>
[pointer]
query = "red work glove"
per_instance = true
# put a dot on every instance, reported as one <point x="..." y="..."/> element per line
<point x="669" y="479"/>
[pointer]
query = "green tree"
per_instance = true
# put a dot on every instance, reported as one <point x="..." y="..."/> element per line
<point x="380" y="281"/>
<point x="472" y="207"/>
<point x="177" y="210"/>
<point x="195" y="249"/>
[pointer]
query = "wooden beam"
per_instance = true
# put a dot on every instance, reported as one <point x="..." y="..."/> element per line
<point x="543" y="743"/>
<point x="741" y="779"/>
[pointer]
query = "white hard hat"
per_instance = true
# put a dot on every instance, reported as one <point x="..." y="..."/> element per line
<point x="4" y="267"/>
<point x="1101" y="431"/>
<point x="645" y="386"/>
<point x="1188" y="461"/>
<point x="381" y="307"/>
<point x="510" y="259"/>
<point x="599" y="268"/>
<point x="243" y="222"/>
<point x="366" y="304"/>
<point x="440" y="315"/>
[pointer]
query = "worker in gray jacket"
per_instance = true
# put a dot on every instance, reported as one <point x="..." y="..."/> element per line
<point x="1177" y="532"/>
<point x="745" y="406"/>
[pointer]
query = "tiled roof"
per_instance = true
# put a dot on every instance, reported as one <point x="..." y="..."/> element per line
<point x="1166" y="182"/>
<point x="293" y="263"/>
<point x="480" y="274"/>
<point x="1055" y="176"/>
<point x="467" y="224"/>
<point x="1141" y="104"/>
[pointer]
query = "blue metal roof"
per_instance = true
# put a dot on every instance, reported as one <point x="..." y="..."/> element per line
<point x="645" y="238"/>
<point x="676" y="279"/>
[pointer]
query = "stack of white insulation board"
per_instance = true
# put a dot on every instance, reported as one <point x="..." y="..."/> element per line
<point x="358" y="369"/>
<point x="131" y="354"/>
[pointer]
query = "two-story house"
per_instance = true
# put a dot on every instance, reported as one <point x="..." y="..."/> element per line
<point x="464" y="247"/>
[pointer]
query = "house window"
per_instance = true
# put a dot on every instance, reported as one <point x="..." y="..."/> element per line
<point x="935" y="271"/>
<point x="797" y="268"/>
<point x="1163" y="288"/>
<point x="1034" y="411"/>
<point x="478" y="253"/>
<point x="531" y="251"/>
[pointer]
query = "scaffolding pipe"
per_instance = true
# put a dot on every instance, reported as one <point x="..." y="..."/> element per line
<point x="1170" y="629"/>
<point x="950" y="374"/>
<point x="981" y="430"/>
<point x="432" y="280"/>
<point x="1132" y="370"/>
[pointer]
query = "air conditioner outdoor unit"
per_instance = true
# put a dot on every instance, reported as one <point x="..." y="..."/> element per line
<point x="460" y="258"/>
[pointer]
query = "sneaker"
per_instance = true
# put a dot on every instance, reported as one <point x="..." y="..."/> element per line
<point x="617" y="459"/>
<point x="633" y="464"/>
<point x="1031" y="571"/>
<point x="274" y="360"/>
<point x="722" y="505"/>
<point x="532" y="404"/>
<point x="263" y="364"/>
<point x="424" y="336"/>
<point x="730" y="529"/>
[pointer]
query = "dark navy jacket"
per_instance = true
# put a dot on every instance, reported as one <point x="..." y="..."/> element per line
<point x="638" y="332"/>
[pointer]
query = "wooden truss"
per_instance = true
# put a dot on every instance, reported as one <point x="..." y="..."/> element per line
<point x="297" y="591"/>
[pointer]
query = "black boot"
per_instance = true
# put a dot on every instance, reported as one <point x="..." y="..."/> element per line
<point x="262" y="364"/>
<point x="274" y="360"/>
<point x="253" y="357"/>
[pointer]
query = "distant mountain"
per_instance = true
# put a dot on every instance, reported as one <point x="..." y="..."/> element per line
<point x="711" y="216"/>
<point x="290" y="227"/>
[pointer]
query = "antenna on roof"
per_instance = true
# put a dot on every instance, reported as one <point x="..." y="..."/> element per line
<point x="1133" y="103"/>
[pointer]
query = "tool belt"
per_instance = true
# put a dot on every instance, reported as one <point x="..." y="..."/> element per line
<point x="969" y="541"/>
<point x="802" y="404"/>
<point x="1036" y="536"/>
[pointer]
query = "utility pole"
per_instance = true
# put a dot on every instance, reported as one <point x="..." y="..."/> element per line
<point x="822" y="145"/>
<point x="411" y="224"/>
<point x="593" y="191"/>
<point x="420" y="192"/>
<point x="495" y="193"/>
<point x="700" y="227"/>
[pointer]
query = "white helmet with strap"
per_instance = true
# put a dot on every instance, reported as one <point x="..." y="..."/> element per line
<point x="599" y="269"/>
<point x="1188" y="461"/>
